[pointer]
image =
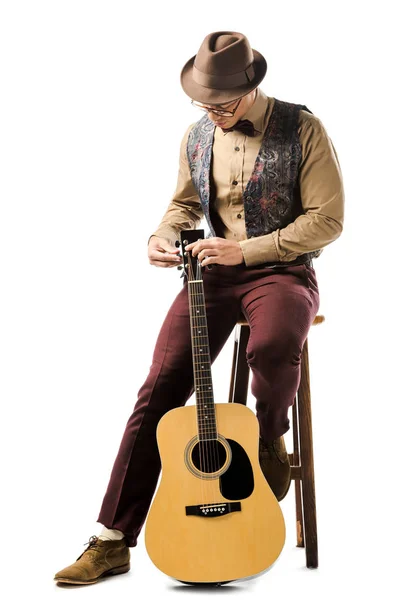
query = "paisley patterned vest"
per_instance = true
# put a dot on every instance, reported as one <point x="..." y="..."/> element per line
<point x="271" y="198"/>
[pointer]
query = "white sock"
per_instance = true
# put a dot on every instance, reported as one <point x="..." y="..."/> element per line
<point x="110" y="534"/>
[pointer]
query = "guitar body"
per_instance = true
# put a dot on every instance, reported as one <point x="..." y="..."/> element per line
<point x="214" y="517"/>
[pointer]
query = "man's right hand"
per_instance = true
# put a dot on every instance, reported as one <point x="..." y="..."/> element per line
<point x="162" y="254"/>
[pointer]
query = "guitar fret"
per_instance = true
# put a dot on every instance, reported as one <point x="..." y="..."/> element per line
<point x="207" y="429"/>
<point x="210" y="416"/>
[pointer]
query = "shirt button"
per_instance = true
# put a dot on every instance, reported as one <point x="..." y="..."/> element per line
<point x="234" y="182"/>
<point x="239" y="216"/>
<point x="237" y="148"/>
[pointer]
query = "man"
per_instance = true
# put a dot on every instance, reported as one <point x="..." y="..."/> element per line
<point x="265" y="175"/>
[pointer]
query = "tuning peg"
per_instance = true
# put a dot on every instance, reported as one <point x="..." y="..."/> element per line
<point x="179" y="267"/>
<point x="177" y="244"/>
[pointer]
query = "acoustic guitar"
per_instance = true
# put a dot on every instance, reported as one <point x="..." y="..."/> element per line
<point x="213" y="519"/>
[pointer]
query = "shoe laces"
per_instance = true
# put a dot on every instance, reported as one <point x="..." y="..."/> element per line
<point x="92" y="546"/>
<point x="92" y="543"/>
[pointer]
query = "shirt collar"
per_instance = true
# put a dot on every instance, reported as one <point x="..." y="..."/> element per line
<point x="256" y="113"/>
<point x="257" y="110"/>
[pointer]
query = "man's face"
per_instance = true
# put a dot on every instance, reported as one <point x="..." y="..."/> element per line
<point x="242" y="105"/>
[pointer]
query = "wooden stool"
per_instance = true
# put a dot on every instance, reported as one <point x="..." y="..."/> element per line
<point x="302" y="458"/>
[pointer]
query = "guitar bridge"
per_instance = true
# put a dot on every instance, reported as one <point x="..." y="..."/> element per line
<point x="213" y="510"/>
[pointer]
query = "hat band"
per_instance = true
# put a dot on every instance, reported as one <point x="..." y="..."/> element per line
<point x="223" y="82"/>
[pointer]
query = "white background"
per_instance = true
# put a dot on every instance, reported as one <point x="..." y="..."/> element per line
<point x="92" y="114"/>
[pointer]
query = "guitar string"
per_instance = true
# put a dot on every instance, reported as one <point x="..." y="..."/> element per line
<point x="210" y="444"/>
<point x="192" y="303"/>
<point x="204" y="330"/>
<point x="214" y="487"/>
<point x="214" y="459"/>
<point x="205" y="462"/>
<point x="203" y="384"/>
<point x="209" y="463"/>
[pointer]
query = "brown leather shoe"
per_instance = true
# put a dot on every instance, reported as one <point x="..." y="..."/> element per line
<point x="274" y="463"/>
<point x="101" y="558"/>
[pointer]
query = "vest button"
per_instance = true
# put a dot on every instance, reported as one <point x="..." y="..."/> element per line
<point x="234" y="182"/>
<point x="239" y="216"/>
<point x="237" y="148"/>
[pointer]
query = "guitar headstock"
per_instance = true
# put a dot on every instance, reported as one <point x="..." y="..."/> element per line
<point x="191" y="265"/>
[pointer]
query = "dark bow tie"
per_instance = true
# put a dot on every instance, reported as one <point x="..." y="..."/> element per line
<point x="245" y="126"/>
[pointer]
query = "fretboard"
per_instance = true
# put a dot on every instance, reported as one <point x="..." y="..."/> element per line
<point x="203" y="387"/>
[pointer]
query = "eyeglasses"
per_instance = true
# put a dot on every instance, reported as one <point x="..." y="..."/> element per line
<point x="222" y="112"/>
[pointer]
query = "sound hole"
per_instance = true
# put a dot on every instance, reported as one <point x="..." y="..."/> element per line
<point x="209" y="456"/>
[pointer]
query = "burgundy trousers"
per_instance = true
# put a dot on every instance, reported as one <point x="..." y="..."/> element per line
<point x="280" y="305"/>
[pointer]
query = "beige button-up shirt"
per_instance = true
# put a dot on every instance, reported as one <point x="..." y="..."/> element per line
<point x="233" y="158"/>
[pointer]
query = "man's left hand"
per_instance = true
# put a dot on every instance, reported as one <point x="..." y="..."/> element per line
<point x="217" y="250"/>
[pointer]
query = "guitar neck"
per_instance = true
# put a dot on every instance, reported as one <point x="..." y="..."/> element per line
<point x="203" y="387"/>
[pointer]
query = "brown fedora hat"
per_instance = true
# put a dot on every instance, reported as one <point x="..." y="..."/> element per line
<point x="225" y="68"/>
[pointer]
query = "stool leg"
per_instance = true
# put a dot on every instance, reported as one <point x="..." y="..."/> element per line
<point x="234" y="365"/>
<point x="240" y="369"/>
<point x="297" y="482"/>
<point x="307" y="463"/>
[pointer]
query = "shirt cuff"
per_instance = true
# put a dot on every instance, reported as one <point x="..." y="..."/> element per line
<point x="167" y="234"/>
<point x="260" y="249"/>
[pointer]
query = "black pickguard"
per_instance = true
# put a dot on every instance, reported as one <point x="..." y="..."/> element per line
<point x="238" y="481"/>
